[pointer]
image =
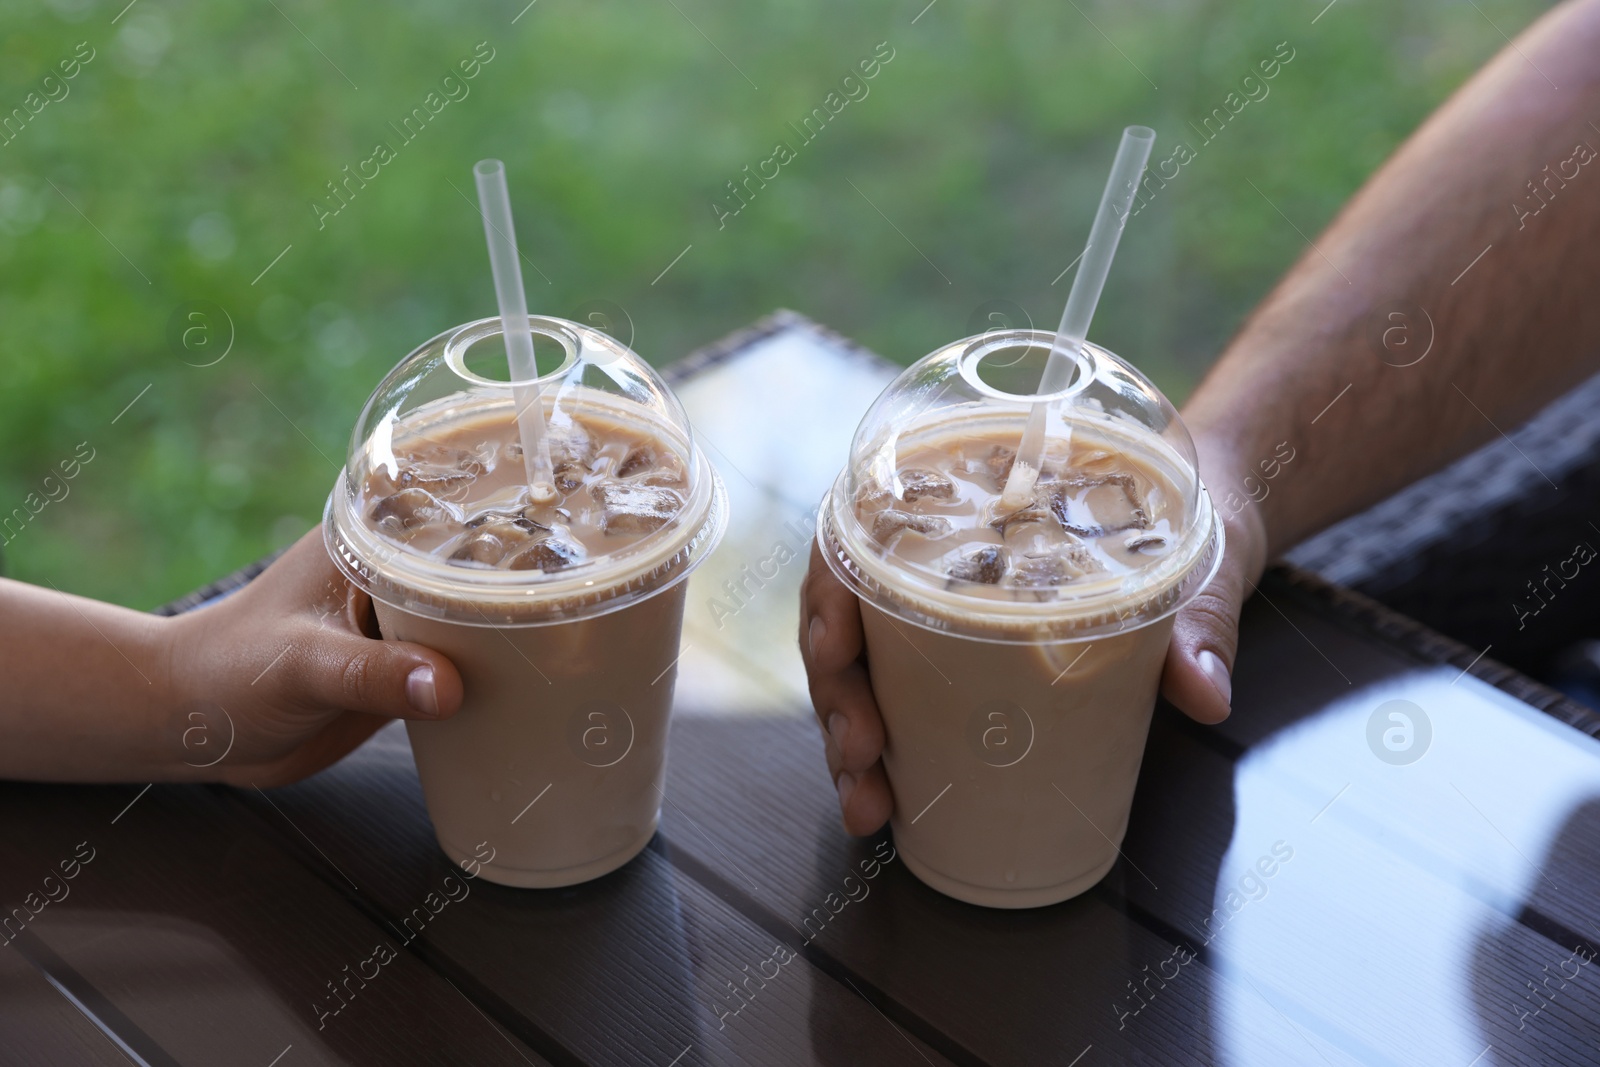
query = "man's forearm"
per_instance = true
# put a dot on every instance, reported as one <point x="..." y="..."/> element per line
<point x="1510" y="164"/>
<point x="87" y="692"/>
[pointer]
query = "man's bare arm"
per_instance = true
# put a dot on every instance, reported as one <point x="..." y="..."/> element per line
<point x="1507" y="170"/>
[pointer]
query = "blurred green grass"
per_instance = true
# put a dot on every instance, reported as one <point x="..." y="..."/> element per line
<point x="196" y="140"/>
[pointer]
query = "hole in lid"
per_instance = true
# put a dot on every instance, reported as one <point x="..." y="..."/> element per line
<point x="1017" y="368"/>
<point x="486" y="356"/>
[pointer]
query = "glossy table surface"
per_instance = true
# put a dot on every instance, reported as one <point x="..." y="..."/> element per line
<point x="1296" y="886"/>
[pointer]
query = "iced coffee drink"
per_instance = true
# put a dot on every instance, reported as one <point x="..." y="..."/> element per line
<point x="562" y="611"/>
<point x="1095" y="511"/>
<point x="1015" y="647"/>
<point x="459" y="493"/>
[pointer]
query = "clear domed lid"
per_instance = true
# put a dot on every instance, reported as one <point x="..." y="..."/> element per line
<point x="1116" y="532"/>
<point x="433" y="511"/>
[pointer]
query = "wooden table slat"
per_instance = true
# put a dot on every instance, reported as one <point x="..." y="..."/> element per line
<point x="40" y="1026"/>
<point x="630" y="968"/>
<point x="218" y="945"/>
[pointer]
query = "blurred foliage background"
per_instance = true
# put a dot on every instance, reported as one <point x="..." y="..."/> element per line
<point x="187" y="154"/>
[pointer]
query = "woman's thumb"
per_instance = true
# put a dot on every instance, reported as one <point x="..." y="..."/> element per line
<point x="392" y="678"/>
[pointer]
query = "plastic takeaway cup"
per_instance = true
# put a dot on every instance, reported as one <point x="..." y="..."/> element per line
<point x="1015" y="652"/>
<point x="563" y="617"/>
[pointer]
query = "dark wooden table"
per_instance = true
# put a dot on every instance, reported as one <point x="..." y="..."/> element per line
<point x="1286" y="896"/>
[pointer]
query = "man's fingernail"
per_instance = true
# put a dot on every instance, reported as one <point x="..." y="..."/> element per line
<point x="420" y="691"/>
<point x="818" y="631"/>
<point x="838" y="725"/>
<point x="847" y="785"/>
<point x="1211" y="663"/>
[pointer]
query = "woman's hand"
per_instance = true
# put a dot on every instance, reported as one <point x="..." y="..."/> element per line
<point x="1197" y="677"/>
<point x="287" y="675"/>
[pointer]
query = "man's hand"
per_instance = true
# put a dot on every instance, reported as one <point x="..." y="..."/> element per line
<point x="291" y="669"/>
<point x="835" y="655"/>
<point x="1197" y="677"/>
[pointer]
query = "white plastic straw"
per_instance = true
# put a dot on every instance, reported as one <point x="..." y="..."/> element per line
<point x="494" y="200"/>
<point x="1115" y="203"/>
